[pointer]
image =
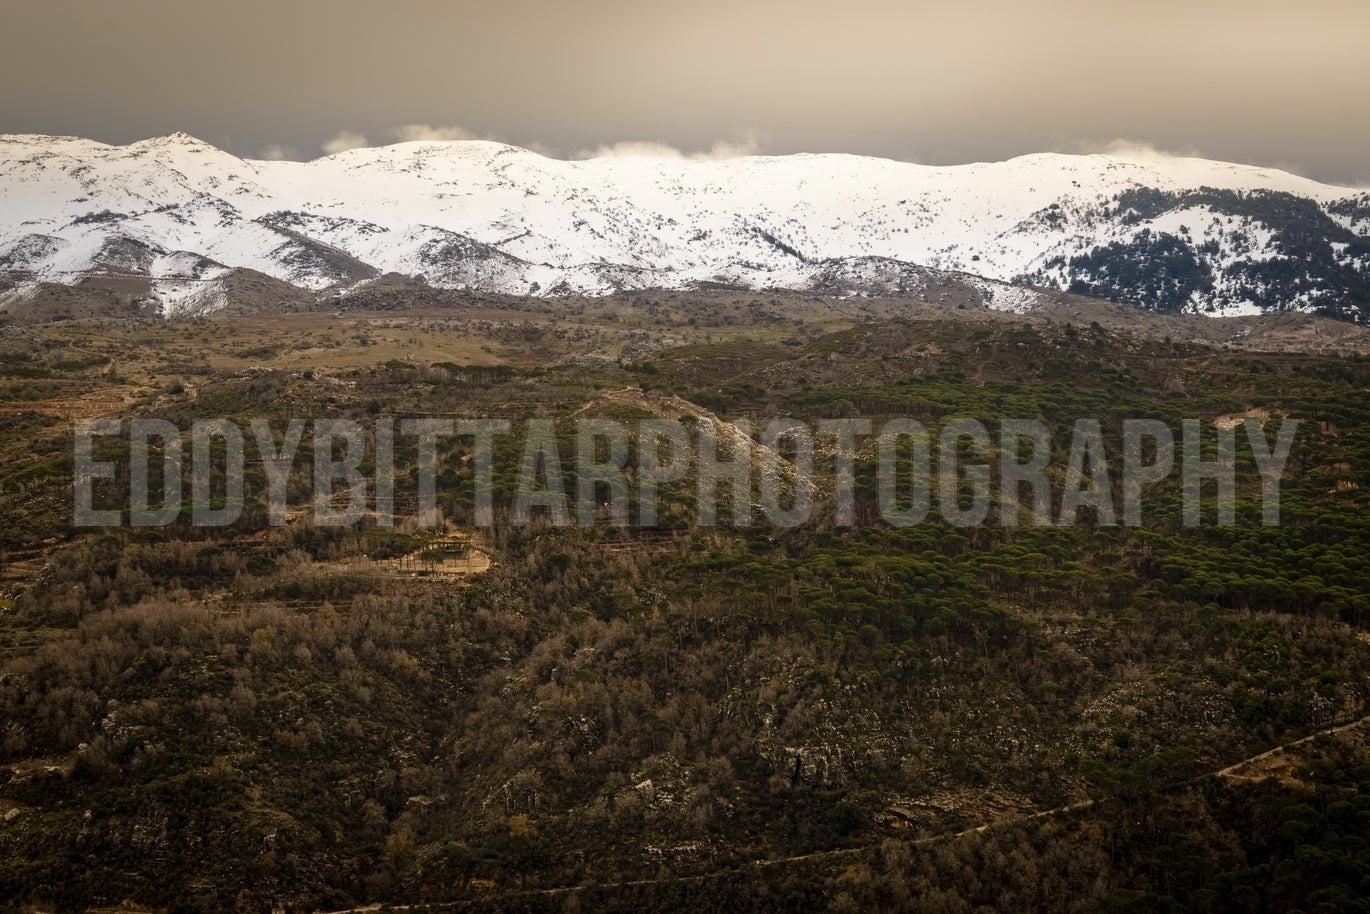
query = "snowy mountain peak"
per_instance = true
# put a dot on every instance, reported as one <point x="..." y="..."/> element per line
<point x="1160" y="232"/>
<point x="179" y="138"/>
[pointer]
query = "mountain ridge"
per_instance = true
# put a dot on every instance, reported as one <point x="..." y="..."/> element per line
<point x="1162" y="233"/>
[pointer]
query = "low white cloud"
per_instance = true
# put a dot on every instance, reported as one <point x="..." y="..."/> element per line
<point x="427" y="133"/>
<point x="740" y="143"/>
<point x="344" y="140"/>
<point x="631" y="149"/>
<point x="743" y="143"/>
<point x="278" y="153"/>
<point x="542" y="149"/>
<point x="1140" y="150"/>
<point x="747" y="142"/>
<point x="1126" y="149"/>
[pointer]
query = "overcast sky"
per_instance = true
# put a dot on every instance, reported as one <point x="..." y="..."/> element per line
<point x="1284" y="83"/>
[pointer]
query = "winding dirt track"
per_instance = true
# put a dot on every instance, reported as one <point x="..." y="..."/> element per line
<point x="1229" y="772"/>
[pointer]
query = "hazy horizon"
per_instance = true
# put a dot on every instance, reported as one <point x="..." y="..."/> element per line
<point x="1256" y="83"/>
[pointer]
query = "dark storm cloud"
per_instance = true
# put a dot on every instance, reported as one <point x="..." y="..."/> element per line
<point x="1275" y="83"/>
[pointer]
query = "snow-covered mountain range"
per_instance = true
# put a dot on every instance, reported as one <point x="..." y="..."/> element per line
<point x="1166" y="233"/>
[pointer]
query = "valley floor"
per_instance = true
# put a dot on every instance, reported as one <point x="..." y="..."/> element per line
<point x="682" y="717"/>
